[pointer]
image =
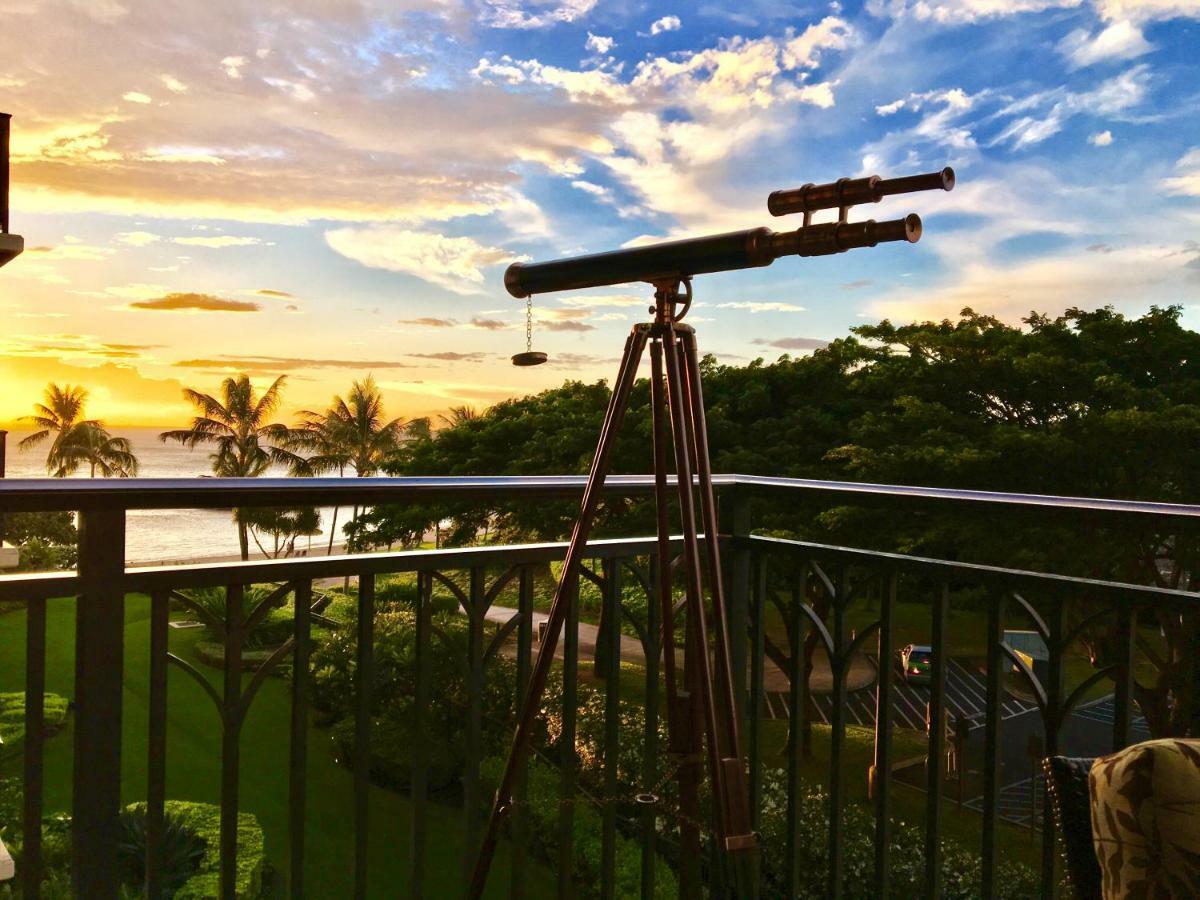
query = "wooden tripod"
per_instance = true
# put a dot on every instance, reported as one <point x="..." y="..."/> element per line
<point x="707" y="704"/>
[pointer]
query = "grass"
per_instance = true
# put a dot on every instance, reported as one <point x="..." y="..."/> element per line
<point x="193" y="766"/>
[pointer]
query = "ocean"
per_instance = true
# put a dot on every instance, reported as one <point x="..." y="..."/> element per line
<point x="167" y="535"/>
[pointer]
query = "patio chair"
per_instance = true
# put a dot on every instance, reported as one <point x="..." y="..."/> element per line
<point x="1070" y="801"/>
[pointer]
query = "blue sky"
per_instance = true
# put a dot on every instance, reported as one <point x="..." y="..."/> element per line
<point x="328" y="189"/>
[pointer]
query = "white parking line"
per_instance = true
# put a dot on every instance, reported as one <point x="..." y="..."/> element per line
<point x="969" y="682"/>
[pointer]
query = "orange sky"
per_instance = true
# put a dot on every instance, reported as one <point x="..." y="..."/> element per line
<point x="330" y="190"/>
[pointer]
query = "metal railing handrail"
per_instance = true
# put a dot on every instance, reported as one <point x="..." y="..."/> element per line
<point x="975" y="573"/>
<point x="45" y="494"/>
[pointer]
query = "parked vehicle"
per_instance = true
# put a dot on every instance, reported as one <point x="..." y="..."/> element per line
<point x="916" y="663"/>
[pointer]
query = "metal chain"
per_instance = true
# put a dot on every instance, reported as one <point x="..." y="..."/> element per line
<point x="529" y="324"/>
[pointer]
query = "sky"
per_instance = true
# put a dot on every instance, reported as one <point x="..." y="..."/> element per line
<point x="329" y="188"/>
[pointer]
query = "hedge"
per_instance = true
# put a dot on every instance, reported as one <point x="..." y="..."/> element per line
<point x="12" y="719"/>
<point x="202" y="818"/>
<point x="205" y="820"/>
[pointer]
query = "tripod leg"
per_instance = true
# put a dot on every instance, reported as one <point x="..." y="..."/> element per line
<point x="687" y="340"/>
<point x="617" y="405"/>
<point x="681" y="741"/>
<point x="739" y="835"/>
<point x="697" y="633"/>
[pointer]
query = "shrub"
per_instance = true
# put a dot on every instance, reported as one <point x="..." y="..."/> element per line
<point x="334" y="687"/>
<point x="204" y="821"/>
<point x="182" y="851"/>
<point x="12" y="719"/>
<point x="274" y="629"/>
<point x="542" y="803"/>
<point x="961" y="869"/>
<point x="194" y="824"/>
<point x="56" y="844"/>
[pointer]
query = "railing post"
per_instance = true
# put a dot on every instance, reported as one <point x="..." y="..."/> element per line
<point x="882" y="780"/>
<point x="99" y="659"/>
<point x="1057" y="622"/>
<point x="991" y="750"/>
<point x="739" y="591"/>
<point x="937" y="744"/>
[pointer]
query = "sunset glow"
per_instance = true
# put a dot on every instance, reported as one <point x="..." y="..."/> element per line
<point x="325" y="190"/>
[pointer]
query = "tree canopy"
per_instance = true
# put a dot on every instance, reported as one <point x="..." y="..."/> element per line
<point x="1089" y="403"/>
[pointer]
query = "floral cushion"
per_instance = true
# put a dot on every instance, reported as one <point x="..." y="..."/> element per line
<point x="1146" y="820"/>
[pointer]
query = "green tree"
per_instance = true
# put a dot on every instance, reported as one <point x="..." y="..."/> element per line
<point x="1089" y="403"/>
<point x="353" y="431"/>
<point x="77" y="441"/>
<point x="246" y="443"/>
<point x="46" y="540"/>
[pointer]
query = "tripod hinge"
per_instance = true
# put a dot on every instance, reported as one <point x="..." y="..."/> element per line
<point x="736" y="842"/>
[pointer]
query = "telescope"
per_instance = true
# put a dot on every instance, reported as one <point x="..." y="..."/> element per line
<point x="755" y="247"/>
<point x="702" y="708"/>
<point x="847" y="192"/>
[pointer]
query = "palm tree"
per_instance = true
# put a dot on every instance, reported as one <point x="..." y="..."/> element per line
<point x="77" y="441"/>
<point x="246" y="445"/>
<point x="352" y="432"/>
<point x="460" y="415"/>
<point x="111" y="455"/>
<point x="320" y="435"/>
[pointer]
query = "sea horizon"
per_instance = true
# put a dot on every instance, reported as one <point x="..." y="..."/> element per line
<point x="154" y="535"/>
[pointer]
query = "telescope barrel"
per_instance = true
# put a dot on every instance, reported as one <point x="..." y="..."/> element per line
<point x="847" y="192"/>
<point x="698" y="256"/>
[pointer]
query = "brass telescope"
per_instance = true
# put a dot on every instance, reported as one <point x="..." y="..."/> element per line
<point x="703" y="696"/>
<point x="698" y="256"/>
<point x="847" y="192"/>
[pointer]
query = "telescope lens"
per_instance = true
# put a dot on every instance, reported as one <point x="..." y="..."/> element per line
<point x="912" y="222"/>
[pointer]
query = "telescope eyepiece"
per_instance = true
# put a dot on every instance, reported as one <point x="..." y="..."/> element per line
<point x="846" y="192"/>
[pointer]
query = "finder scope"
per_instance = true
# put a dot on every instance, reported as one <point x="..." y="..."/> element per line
<point x="846" y="192"/>
<point x="698" y="256"/>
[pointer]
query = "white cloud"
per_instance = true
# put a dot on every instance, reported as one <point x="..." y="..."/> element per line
<point x="233" y="66"/>
<point x="1050" y="283"/>
<point x="173" y="84"/>
<point x="217" y="243"/>
<point x="1111" y="98"/>
<point x="533" y="13"/>
<point x="666" y="23"/>
<point x="297" y="90"/>
<point x="138" y="238"/>
<point x="1121" y="40"/>
<point x="600" y="44"/>
<point x="887" y="109"/>
<point x="958" y="12"/>
<point x="584" y="301"/>
<point x="1187" y="182"/>
<point x="961" y="12"/>
<point x="1101" y="139"/>
<point x="587" y="85"/>
<point x="454" y="263"/>
<point x="138" y="291"/>
<point x="135" y="97"/>
<point x="1147" y="10"/>
<point x="757" y="306"/>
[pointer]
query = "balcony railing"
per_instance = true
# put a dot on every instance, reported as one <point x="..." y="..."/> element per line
<point x="803" y="593"/>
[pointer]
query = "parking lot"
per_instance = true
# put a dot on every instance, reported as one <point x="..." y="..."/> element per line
<point x="965" y="693"/>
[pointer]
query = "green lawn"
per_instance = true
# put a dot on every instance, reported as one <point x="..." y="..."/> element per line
<point x="193" y="766"/>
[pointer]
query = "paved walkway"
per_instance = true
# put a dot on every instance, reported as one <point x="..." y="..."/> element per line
<point x="862" y="670"/>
